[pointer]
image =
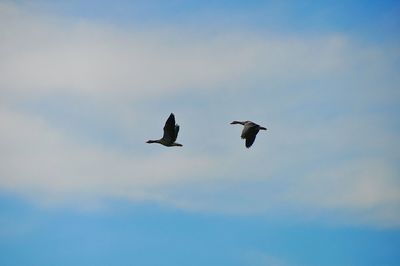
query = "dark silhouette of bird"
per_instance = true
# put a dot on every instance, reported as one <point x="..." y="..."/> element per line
<point x="170" y="133"/>
<point x="249" y="131"/>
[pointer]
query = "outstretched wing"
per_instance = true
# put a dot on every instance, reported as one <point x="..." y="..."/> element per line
<point x="249" y="133"/>
<point x="250" y="139"/>
<point x="169" y="129"/>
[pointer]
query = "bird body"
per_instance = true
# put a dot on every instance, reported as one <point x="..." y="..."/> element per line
<point x="249" y="132"/>
<point x="171" y="131"/>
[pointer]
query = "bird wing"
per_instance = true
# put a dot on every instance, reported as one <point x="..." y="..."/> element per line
<point x="249" y="133"/>
<point x="176" y="132"/>
<point x="250" y="138"/>
<point x="169" y="129"/>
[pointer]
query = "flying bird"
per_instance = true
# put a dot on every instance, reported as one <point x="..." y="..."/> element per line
<point x="170" y="133"/>
<point x="249" y="131"/>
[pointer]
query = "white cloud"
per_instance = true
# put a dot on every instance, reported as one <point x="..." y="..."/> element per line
<point x="356" y="187"/>
<point x="43" y="54"/>
<point x="309" y="160"/>
<point x="39" y="161"/>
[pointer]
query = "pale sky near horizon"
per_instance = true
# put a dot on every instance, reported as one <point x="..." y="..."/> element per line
<point x="83" y="85"/>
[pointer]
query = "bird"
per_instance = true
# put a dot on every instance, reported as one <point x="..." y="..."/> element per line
<point x="170" y="133"/>
<point x="249" y="131"/>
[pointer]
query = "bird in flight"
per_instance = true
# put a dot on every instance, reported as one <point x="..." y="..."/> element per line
<point x="249" y="131"/>
<point x="170" y="133"/>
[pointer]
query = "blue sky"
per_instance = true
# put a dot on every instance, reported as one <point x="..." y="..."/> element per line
<point x="85" y="84"/>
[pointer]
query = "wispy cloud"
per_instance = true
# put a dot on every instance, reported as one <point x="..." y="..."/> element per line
<point x="332" y="146"/>
<point x="43" y="54"/>
<point x="40" y="161"/>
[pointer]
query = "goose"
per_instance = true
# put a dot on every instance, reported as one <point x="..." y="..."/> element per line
<point x="249" y="131"/>
<point x="170" y="133"/>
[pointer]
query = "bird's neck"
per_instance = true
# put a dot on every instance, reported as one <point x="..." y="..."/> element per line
<point x="153" y="141"/>
<point x="238" y="122"/>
